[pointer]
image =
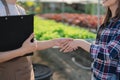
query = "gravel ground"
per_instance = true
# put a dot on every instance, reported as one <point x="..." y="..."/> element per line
<point x="61" y="72"/>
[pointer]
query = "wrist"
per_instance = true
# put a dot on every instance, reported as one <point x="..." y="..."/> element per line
<point x="53" y="42"/>
<point x="22" y="51"/>
<point x="79" y="42"/>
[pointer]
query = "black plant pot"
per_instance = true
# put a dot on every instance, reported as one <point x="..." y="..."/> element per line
<point x="42" y="72"/>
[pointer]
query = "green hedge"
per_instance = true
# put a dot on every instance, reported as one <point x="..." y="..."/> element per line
<point x="49" y="29"/>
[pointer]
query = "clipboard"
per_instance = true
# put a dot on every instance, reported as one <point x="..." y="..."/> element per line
<point x="14" y="30"/>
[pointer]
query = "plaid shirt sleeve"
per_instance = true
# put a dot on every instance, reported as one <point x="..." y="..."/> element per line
<point x="106" y="52"/>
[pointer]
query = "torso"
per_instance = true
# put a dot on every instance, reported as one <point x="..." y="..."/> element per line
<point x="13" y="8"/>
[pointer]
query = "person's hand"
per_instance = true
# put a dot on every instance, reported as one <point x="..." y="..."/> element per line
<point x="61" y="41"/>
<point x="70" y="46"/>
<point x="29" y="46"/>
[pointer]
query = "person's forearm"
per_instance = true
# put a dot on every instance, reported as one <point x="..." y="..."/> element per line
<point x="41" y="45"/>
<point x="85" y="45"/>
<point x="8" y="55"/>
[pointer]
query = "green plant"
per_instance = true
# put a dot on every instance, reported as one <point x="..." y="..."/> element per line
<point x="49" y="29"/>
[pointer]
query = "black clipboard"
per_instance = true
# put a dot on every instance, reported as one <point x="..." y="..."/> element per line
<point x="14" y="30"/>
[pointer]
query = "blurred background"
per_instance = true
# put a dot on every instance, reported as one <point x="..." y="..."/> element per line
<point x="78" y="19"/>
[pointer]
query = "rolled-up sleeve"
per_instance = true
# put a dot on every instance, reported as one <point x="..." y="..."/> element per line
<point x="109" y="51"/>
<point x="94" y="50"/>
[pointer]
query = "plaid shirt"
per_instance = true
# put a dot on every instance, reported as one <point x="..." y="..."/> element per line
<point x="106" y="52"/>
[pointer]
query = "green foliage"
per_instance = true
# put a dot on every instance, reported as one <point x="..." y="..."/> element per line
<point x="49" y="29"/>
<point x="31" y="7"/>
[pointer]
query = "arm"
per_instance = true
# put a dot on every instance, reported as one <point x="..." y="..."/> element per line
<point x="26" y="48"/>
<point x="101" y="51"/>
<point x="84" y="45"/>
<point x="73" y="45"/>
<point x="41" y="45"/>
<point x="5" y="56"/>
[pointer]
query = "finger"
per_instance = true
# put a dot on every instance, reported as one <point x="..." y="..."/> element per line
<point x="75" y="48"/>
<point x="68" y="50"/>
<point x="65" y="46"/>
<point x="71" y="50"/>
<point x="31" y="37"/>
<point x="65" y="43"/>
<point x="35" y="42"/>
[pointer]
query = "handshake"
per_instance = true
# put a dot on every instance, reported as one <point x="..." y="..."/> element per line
<point x="66" y="44"/>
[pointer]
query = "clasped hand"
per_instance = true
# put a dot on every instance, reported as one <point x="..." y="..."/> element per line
<point x="68" y="44"/>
